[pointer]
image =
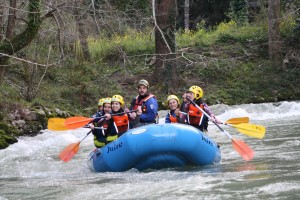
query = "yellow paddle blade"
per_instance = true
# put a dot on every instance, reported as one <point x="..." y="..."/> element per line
<point x="237" y="120"/>
<point x="57" y="124"/>
<point x="68" y="153"/>
<point x="252" y="130"/>
<point x="243" y="149"/>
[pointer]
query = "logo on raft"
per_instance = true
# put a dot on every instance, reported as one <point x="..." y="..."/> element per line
<point x="207" y="141"/>
<point x="114" y="147"/>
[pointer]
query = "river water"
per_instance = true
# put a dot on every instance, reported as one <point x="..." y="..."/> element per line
<point x="31" y="169"/>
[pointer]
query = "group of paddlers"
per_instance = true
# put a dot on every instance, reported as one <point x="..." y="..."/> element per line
<point x="113" y="119"/>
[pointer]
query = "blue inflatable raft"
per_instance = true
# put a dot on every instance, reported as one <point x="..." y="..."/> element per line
<point x="156" y="146"/>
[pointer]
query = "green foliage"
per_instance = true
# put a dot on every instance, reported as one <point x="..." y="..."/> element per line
<point x="288" y="26"/>
<point x="223" y="33"/>
<point x="131" y="42"/>
<point x="238" y="11"/>
<point x="192" y="38"/>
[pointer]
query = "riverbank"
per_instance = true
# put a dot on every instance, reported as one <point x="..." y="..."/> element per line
<point x="25" y="121"/>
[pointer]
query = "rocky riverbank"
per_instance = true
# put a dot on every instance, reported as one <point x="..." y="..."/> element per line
<point x="27" y="121"/>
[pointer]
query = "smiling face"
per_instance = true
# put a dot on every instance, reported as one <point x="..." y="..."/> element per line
<point x="115" y="106"/>
<point x="107" y="107"/>
<point x="142" y="90"/>
<point x="173" y="104"/>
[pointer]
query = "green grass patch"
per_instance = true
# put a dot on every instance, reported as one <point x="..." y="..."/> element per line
<point x="131" y="43"/>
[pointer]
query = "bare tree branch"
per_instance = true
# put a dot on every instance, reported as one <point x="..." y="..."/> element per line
<point x="27" y="61"/>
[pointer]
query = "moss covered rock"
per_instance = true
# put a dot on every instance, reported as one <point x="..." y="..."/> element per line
<point x="1" y="116"/>
<point x="4" y="126"/>
<point x="6" y="140"/>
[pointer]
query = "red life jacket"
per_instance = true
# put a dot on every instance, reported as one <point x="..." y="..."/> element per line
<point x="121" y="123"/>
<point x="195" y="116"/>
<point x="142" y="102"/>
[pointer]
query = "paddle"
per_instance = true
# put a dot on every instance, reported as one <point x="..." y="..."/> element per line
<point x="241" y="123"/>
<point x="68" y="152"/>
<point x="241" y="147"/>
<point x="61" y="124"/>
<point x="252" y="130"/>
<point x="238" y="120"/>
<point x="79" y="121"/>
<point x="57" y="124"/>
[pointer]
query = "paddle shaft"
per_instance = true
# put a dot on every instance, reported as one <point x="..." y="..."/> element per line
<point x="116" y="114"/>
<point x="85" y="136"/>
<point x="79" y="121"/>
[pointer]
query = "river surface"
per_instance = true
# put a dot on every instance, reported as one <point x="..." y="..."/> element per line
<point x="31" y="169"/>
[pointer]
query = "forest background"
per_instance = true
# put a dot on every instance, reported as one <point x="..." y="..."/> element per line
<point x="57" y="58"/>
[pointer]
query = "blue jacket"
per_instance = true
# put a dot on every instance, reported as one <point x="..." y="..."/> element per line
<point x="151" y="112"/>
<point x="149" y="109"/>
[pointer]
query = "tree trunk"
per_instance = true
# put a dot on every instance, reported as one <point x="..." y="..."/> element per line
<point x="187" y="15"/>
<point x="273" y="33"/>
<point x="83" y="40"/>
<point x="165" y="66"/>
<point x="11" y="19"/>
<point x="24" y="38"/>
<point x="1" y="21"/>
<point x="80" y="16"/>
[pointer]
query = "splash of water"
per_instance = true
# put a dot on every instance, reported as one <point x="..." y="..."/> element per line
<point x="264" y="111"/>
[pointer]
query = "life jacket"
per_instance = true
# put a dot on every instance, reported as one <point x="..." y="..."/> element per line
<point x="142" y="102"/>
<point x="105" y="127"/>
<point x="99" y="142"/>
<point x="102" y="141"/>
<point x="121" y="123"/>
<point x="103" y="138"/>
<point x="173" y="119"/>
<point x="195" y="117"/>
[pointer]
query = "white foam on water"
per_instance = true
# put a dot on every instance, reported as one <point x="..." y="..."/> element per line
<point x="263" y="111"/>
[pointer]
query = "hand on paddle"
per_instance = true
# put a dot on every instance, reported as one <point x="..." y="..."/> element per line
<point x="61" y="124"/>
<point x="133" y="115"/>
<point x="214" y="119"/>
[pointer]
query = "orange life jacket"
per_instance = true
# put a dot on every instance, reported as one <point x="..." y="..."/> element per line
<point x="121" y="123"/>
<point x="195" y="116"/>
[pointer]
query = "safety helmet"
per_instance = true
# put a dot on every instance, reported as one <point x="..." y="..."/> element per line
<point x="172" y="97"/>
<point x="100" y="102"/>
<point x="198" y="92"/>
<point x="143" y="82"/>
<point x="118" y="98"/>
<point x="107" y="100"/>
